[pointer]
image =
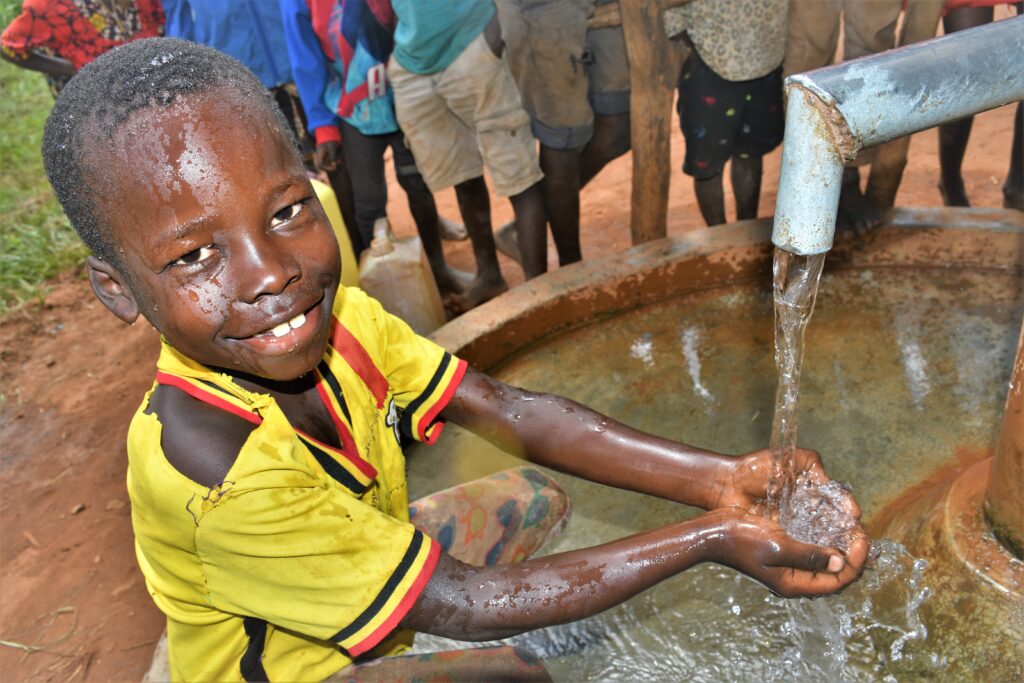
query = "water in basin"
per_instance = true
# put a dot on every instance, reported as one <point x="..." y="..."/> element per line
<point x="905" y="372"/>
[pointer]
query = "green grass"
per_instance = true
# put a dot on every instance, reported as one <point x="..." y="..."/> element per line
<point x="36" y="241"/>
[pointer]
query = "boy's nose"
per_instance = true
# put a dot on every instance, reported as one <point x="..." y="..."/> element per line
<point x="265" y="269"/>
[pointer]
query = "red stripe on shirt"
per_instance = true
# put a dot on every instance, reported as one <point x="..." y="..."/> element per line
<point x="432" y="413"/>
<point x="408" y="600"/>
<point x="359" y="360"/>
<point x="360" y="464"/>
<point x="348" y="444"/>
<point x="206" y="396"/>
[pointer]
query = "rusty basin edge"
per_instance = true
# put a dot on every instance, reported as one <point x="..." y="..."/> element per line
<point x="703" y="259"/>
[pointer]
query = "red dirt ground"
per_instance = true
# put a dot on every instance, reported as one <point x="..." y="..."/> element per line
<point x="73" y="606"/>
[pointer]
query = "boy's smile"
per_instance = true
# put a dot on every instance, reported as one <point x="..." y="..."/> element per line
<point x="224" y="245"/>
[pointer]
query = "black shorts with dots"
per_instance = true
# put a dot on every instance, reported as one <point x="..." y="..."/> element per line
<point x="723" y="119"/>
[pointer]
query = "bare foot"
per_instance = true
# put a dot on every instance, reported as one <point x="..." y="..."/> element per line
<point x="856" y="213"/>
<point x="452" y="280"/>
<point x="478" y="292"/>
<point x="955" y="194"/>
<point x="506" y="240"/>
<point x="450" y="230"/>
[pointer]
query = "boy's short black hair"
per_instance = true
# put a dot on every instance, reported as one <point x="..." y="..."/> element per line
<point x="153" y="72"/>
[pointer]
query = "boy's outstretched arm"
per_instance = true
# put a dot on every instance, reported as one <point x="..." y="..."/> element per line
<point x="561" y="434"/>
<point x="484" y="603"/>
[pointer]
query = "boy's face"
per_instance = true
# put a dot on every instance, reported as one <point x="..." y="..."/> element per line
<point x="227" y="250"/>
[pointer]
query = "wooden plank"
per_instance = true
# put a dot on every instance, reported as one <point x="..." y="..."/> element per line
<point x="654" y="63"/>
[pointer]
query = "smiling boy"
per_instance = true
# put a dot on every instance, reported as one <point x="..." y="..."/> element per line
<point x="265" y="471"/>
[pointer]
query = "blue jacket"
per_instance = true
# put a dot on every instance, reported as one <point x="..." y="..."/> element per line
<point x="248" y="30"/>
<point x="339" y="51"/>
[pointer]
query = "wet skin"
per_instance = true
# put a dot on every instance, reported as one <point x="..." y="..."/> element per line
<point x="233" y="242"/>
<point x="220" y="241"/>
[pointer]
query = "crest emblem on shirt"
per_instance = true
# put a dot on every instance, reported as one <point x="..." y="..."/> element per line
<point x="391" y="420"/>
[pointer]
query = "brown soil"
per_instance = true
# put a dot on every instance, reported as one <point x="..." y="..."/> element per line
<point x="73" y="605"/>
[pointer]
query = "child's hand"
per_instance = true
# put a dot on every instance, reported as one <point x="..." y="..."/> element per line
<point x="327" y="156"/>
<point x="758" y="547"/>
<point x="744" y="480"/>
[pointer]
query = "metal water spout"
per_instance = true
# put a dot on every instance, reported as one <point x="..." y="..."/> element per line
<point x="833" y="113"/>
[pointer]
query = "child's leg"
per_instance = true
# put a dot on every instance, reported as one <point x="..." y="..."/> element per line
<point x="561" y="186"/>
<point x="531" y="228"/>
<point x="813" y="34"/>
<point x="475" y="206"/>
<point x="758" y="105"/>
<point x="424" y="212"/>
<point x="492" y="664"/>
<point x="366" y="153"/>
<point x="1013" y="188"/>
<point x="341" y="183"/>
<point x="745" y="174"/>
<point x="953" y="136"/>
<point x="500" y="519"/>
<point x="710" y="118"/>
<point x="612" y="139"/>
<point x="710" y="198"/>
<point x="479" y="89"/>
<point x="446" y="154"/>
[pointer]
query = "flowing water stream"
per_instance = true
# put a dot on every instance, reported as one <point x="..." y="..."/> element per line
<point x="810" y="512"/>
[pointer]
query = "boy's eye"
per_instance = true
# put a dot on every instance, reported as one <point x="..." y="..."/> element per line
<point x="195" y="256"/>
<point x="287" y="213"/>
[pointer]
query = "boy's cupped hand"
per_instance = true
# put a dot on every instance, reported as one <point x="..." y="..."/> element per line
<point x="761" y="549"/>
<point x="743" y="481"/>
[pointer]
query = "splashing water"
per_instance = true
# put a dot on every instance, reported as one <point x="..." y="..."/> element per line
<point x="819" y="513"/>
<point x="737" y="632"/>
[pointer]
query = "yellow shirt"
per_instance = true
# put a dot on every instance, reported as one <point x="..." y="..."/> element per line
<point x="303" y="557"/>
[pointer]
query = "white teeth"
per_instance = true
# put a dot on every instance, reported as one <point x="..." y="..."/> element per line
<point x="293" y="324"/>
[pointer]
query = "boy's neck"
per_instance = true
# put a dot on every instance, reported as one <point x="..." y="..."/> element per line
<point x="258" y="384"/>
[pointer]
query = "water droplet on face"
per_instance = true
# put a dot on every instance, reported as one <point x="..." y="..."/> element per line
<point x="192" y="295"/>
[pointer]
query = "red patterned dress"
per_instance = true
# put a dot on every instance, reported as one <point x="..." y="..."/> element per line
<point x="79" y="30"/>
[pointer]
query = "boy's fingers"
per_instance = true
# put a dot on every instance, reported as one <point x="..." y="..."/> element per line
<point x="857" y="555"/>
<point x="814" y="558"/>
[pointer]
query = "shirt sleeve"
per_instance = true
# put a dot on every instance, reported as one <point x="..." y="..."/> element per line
<point x="422" y="376"/>
<point x="313" y="559"/>
<point x="310" y="67"/>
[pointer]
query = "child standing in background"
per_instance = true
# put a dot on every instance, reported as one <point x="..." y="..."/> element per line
<point x="339" y="51"/>
<point x="730" y="98"/>
<point x="460" y="109"/>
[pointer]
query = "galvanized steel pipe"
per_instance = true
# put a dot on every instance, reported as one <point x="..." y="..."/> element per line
<point x="834" y="112"/>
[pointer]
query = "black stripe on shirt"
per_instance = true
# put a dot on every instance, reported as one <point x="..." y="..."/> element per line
<point x="334" y="468"/>
<point x="251" y="664"/>
<point x="405" y="424"/>
<point x="332" y="382"/>
<point x="386" y="592"/>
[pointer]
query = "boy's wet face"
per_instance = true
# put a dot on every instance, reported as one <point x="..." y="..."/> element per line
<point x="228" y="252"/>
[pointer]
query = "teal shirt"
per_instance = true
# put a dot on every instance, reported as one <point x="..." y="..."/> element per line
<point x="432" y="33"/>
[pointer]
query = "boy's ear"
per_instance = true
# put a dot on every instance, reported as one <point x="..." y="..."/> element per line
<point x="109" y="287"/>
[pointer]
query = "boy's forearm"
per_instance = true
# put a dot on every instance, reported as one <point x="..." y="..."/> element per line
<point x="487" y="603"/>
<point x="566" y="436"/>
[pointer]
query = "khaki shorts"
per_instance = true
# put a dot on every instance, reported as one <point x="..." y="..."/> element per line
<point x="565" y="73"/>
<point x="464" y="117"/>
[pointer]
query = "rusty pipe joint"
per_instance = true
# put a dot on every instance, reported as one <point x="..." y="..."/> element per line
<point x="811" y="174"/>
<point x="832" y="113"/>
